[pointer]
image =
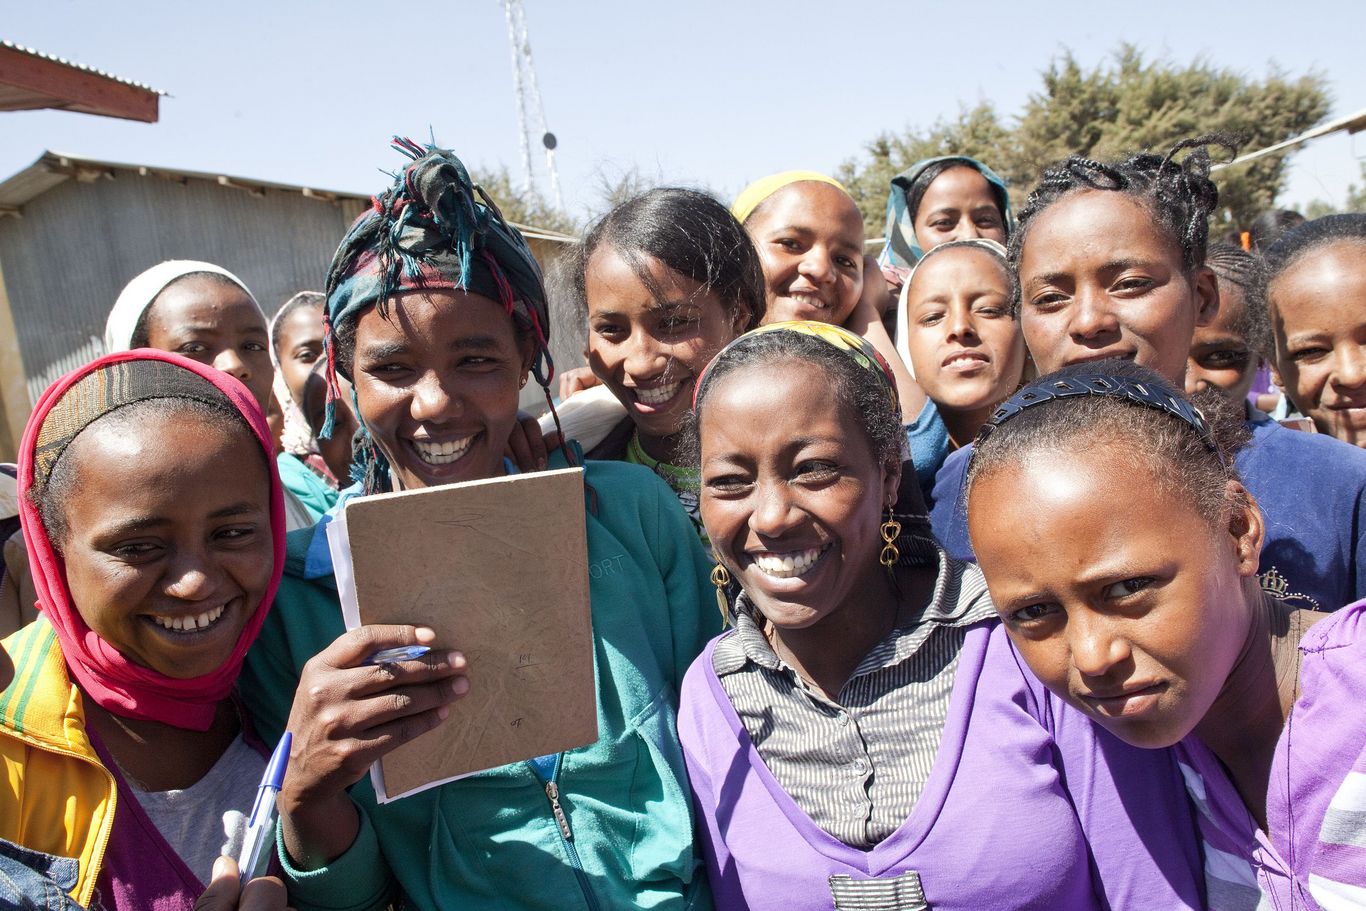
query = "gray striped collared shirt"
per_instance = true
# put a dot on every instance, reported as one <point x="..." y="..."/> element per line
<point x="857" y="765"/>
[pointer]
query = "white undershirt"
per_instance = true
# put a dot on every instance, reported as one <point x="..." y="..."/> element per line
<point x="209" y="817"/>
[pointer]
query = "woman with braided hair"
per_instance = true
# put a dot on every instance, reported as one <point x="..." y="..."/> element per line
<point x="436" y="313"/>
<point x="1110" y="261"/>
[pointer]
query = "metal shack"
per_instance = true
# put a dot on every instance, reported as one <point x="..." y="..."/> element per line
<point x="74" y="230"/>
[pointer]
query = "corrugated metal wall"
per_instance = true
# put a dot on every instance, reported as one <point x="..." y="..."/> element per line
<point x="66" y="259"/>
<point x="75" y="247"/>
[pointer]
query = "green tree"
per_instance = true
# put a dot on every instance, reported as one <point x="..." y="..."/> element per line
<point x="1125" y="103"/>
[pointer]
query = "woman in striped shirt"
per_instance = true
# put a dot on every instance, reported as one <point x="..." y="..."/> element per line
<point x="865" y="736"/>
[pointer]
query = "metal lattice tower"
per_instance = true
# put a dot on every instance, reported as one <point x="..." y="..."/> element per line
<point x="529" y="100"/>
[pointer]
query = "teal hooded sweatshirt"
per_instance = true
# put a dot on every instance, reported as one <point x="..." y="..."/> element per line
<point x="491" y="841"/>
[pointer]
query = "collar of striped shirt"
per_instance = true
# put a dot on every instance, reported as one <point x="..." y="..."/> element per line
<point x="960" y="599"/>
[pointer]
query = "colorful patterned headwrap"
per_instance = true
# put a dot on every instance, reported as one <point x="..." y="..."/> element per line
<point x="753" y="195"/>
<point x="858" y="349"/>
<point x="434" y="229"/>
<point x="902" y="250"/>
<point x="69" y="406"/>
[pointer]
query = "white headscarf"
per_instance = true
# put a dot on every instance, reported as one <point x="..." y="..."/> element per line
<point x="903" y="346"/>
<point x="139" y="293"/>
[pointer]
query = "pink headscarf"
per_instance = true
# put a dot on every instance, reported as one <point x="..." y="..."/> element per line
<point x="102" y="672"/>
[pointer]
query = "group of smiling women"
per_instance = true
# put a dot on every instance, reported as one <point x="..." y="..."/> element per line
<point x="940" y="580"/>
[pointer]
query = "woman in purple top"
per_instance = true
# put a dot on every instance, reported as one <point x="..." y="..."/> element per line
<point x="866" y="735"/>
<point x="1121" y="550"/>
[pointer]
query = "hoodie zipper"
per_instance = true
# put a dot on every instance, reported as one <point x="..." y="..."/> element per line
<point x="557" y="810"/>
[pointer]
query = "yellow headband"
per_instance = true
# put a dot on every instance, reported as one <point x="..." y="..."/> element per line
<point x="751" y="196"/>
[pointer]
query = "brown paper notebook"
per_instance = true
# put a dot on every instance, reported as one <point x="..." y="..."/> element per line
<point x="499" y="568"/>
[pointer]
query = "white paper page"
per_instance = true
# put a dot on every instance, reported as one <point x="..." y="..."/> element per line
<point x="339" y="544"/>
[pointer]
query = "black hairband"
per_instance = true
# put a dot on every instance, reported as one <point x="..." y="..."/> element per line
<point x="1135" y="391"/>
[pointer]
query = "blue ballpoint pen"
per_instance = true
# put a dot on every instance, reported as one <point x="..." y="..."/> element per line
<point x="259" y="844"/>
<point x="395" y="655"/>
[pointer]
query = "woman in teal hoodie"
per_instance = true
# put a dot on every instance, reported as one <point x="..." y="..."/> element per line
<point x="436" y="312"/>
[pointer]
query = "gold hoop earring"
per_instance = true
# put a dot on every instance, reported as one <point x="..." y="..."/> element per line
<point x="890" y="531"/>
<point x="720" y="577"/>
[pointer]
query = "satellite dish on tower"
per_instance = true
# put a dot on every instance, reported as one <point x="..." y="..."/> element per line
<point x="529" y="104"/>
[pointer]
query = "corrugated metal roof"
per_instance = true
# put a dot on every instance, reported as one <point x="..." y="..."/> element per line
<point x="54" y="168"/>
<point x="77" y="66"/>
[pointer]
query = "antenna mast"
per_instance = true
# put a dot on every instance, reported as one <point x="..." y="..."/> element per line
<point x="529" y="100"/>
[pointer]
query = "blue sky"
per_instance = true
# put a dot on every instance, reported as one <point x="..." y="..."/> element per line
<point x="710" y="93"/>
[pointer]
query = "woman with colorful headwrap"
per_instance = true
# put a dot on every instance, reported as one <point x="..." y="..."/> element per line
<point x="436" y="312"/>
<point x="155" y="530"/>
<point x="937" y="200"/>
<point x="865" y="736"/>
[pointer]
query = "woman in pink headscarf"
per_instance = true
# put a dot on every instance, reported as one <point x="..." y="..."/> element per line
<point x="120" y="740"/>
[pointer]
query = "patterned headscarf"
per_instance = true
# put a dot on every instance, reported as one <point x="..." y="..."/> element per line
<point x="69" y="406"/>
<point x="434" y="228"/>
<point x="902" y="250"/>
<point x="858" y="349"/>
<point x="752" y="196"/>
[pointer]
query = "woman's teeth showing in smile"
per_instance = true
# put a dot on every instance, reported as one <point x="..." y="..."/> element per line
<point x="790" y="564"/>
<point x="192" y="623"/>
<point x="808" y="299"/>
<point x="963" y="361"/>
<point x="442" y="453"/>
<point x="658" y="395"/>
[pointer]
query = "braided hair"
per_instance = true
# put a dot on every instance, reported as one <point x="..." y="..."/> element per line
<point x="1196" y="466"/>
<point x="1179" y="195"/>
<point x="1235" y="266"/>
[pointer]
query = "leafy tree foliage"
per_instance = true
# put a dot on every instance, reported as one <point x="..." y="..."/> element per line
<point x="1126" y="103"/>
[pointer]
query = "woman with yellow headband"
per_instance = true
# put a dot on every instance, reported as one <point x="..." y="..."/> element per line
<point x="865" y="735"/>
<point x="809" y="234"/>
